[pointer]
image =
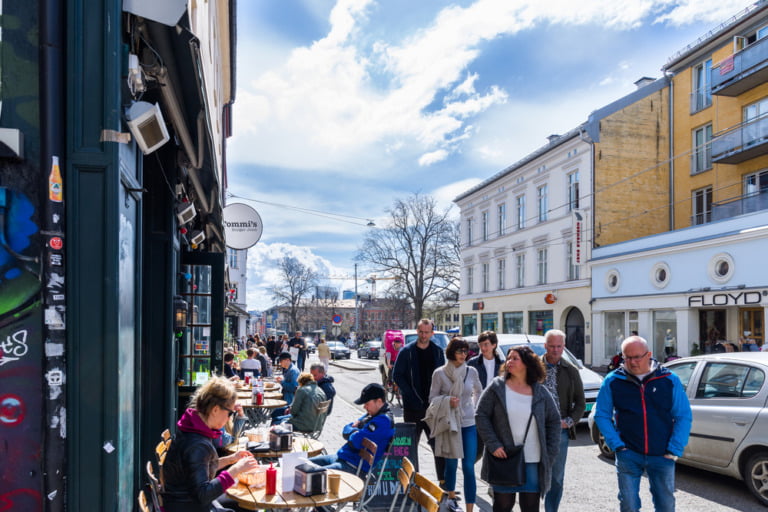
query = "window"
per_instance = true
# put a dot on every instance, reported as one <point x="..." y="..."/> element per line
<point x="614" y="333"/>
<point x="540" y="322"/>
<point x="701" y="157"/>
<point x="701" y="96"/>
<point x="684" y="372"/>
<point x="573" y="268"/>
<point x="502" y="211"/>
<point x="541" y="265"/>
<point x="543" y="202"/>
<point x="486" y="277"/>
<point x="469" y="231"/>
<point x="755" y="183"/>
<point x="489" y="321"/>
<point x="520" y="270"/>
<point x="485" y="226"/>
<point x="513" y="322"/>
<point x="502" y="270"/>
<point x="755" y="122"/>
<point x="702" y="206"/>
<point x="573" y="191"/>
<point x="470" y="279"/>
<point x="232" y="258"/>
<point x="469" y="325"/>
<point x="520" y="202"/>
<point x="665" y="334"/>
<point x="730" y="380"/>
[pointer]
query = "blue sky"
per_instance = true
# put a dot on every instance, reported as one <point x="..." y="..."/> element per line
<point x="344" y="106"/>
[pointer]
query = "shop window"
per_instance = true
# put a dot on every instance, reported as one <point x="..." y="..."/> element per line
<point x="539" y="322"/>
<point x="665" y="334"/>
<point x="513" y="322"/>
<point x="489" y="322"/>
<point x="469" y="325"/>
<point x="614" y="333"/>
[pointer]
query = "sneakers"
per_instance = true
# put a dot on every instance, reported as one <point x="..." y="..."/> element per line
<point x="450" y="505"/>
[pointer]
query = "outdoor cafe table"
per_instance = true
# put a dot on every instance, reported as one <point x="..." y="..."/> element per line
<point x="248" y="394"/>
<point x="314" y="447"/>
<point x="350" y="489"/>
<point x="258" y="414"/>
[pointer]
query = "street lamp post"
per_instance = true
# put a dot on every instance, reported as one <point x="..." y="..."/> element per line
<point x="357" y="302"/>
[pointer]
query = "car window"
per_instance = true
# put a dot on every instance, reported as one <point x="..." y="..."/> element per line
<point x="684" y="372"/>
<point x="728" y="380"/>
<point x="441" y="340"/>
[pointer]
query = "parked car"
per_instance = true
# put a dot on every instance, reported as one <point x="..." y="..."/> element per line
<point x="311" y="347"/>
<point x="439" y="337"/>
<point x="729" y="434"/>
<point x="338" y="350"/>
<point x="369" y="350"/>
<point x="591" y="380"/>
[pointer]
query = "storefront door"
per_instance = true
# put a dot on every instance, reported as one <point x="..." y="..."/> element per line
<point x="751" y="327"/>
<point x="574" y="332"/>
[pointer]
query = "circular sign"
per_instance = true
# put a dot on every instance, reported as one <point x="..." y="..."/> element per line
<point x="242" y="226"/>
<point x="56" y="243"/>
<point x="550" y="298"/>
<point x="336" y="319"/>
<point x="12" y="410"/>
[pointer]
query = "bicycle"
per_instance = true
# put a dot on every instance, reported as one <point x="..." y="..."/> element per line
<point x="393" y="393"/>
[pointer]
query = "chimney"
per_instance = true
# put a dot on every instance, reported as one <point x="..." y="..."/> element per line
<point x="643" y="81"/>
<point x="552" y="138"/>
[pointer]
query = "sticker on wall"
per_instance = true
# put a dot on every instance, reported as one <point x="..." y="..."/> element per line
<point x="56" y="243"/>
<point x="12" y="410"/>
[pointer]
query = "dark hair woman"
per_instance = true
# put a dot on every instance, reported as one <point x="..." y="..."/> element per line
<point x="191" y="483"/>
<point x="503" y="413"/>
<point x="456" y="387"/>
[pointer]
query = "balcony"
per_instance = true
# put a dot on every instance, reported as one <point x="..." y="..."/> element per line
<point x="741" y="71"/>
<point x="740" y="205"/>
<point x="741" y="143"/>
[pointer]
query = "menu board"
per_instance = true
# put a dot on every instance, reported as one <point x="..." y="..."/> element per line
<point x="404" y="444"/>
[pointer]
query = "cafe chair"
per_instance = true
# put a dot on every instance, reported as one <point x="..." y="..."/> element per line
<point x="154" y="487"/>
<point x="429" y="486"/>
<point x="143" y="505"/>
<point x="367" y="454"/>
<point x="161" y="450"/>
<point x="321" y="409"/>
<point x="373" y="478"/>
<point x="424" y="499"/>
<point x="405" y="478"/>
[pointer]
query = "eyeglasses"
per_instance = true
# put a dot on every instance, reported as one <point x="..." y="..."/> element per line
<point x="635" y="358"/>
<point x="230" y="411"/>
<point x="462" y="351"/>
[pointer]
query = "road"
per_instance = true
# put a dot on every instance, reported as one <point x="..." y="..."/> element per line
<point x="590" y="479"/>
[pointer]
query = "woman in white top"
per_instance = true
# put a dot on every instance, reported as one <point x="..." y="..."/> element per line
<point x="502" y="417"/>
<point x="458" y="386"/>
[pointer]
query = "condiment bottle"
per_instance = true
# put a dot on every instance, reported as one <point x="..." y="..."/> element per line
<point x="271" y="480"/>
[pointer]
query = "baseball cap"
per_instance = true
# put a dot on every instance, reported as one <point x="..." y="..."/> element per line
<point x="371" y="392"/>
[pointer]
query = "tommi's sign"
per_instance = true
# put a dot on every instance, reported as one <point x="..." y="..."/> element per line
<point x="725" y="299"/>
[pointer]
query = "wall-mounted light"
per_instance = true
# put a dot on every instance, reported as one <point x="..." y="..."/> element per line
<point x="197" y="238"/>
<point x="185" y="212"/>
<point x="179" y="314"/>
<point x="147" y="125"/>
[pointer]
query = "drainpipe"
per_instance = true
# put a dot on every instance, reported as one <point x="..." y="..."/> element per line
<point x="52" y="69"/>
<point x="671" y="158"/>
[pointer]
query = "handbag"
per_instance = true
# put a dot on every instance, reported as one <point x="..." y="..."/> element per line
<point x="510" y="471"/>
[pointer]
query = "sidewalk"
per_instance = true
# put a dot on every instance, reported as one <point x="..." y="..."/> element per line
<point x="345" y="412"/>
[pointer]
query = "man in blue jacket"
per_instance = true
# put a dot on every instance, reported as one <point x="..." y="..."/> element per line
<point x="377" y="424"/>
<point x="644" y="414"/>
<point x="415" y="364"/>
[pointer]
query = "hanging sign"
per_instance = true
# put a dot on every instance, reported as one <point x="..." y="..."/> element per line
<point x="242" y="226"/>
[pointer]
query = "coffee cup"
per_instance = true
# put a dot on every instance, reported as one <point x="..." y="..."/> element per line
<point x="334" y="480"/>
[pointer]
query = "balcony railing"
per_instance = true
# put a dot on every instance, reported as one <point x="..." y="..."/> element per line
<point x="741" y="71"/>
<point x="740" y="205"/>
<point x="742" y="142"/>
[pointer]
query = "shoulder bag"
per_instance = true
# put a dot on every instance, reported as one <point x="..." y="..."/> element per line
<point x="510" y="471"/>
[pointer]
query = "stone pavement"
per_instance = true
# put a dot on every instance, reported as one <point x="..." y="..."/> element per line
<point x="345" y="412"/>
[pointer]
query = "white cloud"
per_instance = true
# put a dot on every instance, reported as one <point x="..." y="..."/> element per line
<point x="433" y="157"/>
<point x="447" y="193"/>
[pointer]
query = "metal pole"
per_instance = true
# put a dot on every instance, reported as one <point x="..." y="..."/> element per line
<point x="357" y="302"/>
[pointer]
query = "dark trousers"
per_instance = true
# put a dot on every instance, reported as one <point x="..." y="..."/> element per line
<point x="417" y="416"/>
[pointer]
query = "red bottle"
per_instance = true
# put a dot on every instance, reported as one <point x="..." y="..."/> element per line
<point x="271" y="480"/>
<point x="259" y="398"/>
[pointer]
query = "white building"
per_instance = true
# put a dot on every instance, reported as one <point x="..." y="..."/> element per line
<point x="526" y="238"/>
<point x="237" y="315"/>
<point x="675" y="288"/>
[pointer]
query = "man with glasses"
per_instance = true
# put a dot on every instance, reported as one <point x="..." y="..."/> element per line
<point x="644" y="414"/>
<point x="415" y="364"/>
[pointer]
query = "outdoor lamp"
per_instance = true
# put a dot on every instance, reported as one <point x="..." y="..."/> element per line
<point x="180" y="314"/>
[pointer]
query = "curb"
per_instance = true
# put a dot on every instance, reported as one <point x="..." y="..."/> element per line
<point x="348" y="364"/>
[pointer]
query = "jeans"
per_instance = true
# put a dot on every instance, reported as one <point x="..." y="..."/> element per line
<point x="332" y="461"/>
<point x="552" y="499"/>
<point x="469" y="443"/>
<point x="661" y="477"/>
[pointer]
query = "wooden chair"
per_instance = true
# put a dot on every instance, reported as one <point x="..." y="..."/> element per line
<point x="373" y="478"/>
<point x="143" y="505"/>
<point x="161" y="450"/>
<point x="155" y="487"/>
<point x="429" y="486"/>
<point x="421" y="497"/>
<point x="405" y="478"/>
<point x="321" y="409"/>
<point x="367" y="454"/>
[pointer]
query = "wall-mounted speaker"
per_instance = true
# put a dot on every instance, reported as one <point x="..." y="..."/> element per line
<point x="185" y="212"/>
<point x="197" y="237"/>
<point x="147" y="125"/>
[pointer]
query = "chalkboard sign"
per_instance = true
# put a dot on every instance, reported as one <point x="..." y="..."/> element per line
<point x="404" y="444"/>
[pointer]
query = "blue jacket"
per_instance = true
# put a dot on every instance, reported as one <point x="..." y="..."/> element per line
<point x="290" y="382"/>
<point x="379" y="428"/>
<point x="408" y="378"/>
<point x="652" y="417"/>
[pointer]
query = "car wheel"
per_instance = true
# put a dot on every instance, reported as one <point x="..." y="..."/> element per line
<point x="599" y="439"/>
<point x="756" y="476"/>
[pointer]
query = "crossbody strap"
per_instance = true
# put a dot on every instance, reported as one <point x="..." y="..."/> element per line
<point x="528" y="426"/>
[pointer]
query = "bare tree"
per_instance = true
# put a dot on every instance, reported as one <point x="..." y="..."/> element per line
<point x="419" y="245"/>
<point x="297" y="280"/>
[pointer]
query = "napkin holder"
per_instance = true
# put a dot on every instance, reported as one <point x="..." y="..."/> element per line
<point x="310" y="479"/>
<point x="280" y="440"/>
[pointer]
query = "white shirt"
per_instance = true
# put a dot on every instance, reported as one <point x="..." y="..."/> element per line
<point x="518" y="411"/>
<point x="250" y="364"/>
<point x="490" y="369"/>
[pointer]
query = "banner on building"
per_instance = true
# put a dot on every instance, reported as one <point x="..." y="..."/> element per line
<point x="578" y="237"/>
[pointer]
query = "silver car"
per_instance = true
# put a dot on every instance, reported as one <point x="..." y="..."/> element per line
<point x="729" y="435"/>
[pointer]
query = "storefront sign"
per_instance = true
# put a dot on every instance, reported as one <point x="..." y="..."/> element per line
<point x="725" y="299"/>
<point x="477" y="306"/>
<point x="242" y="226"/>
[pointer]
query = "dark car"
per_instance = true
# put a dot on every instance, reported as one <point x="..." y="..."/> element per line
<point x="339" y="350"/>
<point x="369" y="350"/>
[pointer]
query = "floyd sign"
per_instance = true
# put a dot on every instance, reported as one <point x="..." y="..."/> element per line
<point x="242" y="226"/>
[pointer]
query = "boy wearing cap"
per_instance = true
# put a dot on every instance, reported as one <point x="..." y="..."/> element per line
<point x="377" y="424"/>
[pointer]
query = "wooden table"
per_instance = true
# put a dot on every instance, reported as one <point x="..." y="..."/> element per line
<point x="314" y="447"/>
<point x="259" y="414"/>
<point x="350" y="489"/>
<point x="248" y="395"/>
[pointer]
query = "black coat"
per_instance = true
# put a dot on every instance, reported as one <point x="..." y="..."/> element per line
<point x="190" y="469"/>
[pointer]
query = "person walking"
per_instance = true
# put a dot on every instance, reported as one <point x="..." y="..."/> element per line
<point x="518" y="408"/>
<point x="456" y="388"/>
<point x="644" y="414"/>
<point x="564" y="382"/>
<point x="324" y="353"/>
<point x="297" y="349"/>
<point x="412" y="373"/>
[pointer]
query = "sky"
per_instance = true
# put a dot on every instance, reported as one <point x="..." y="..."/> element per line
<point x="344" y="106"/>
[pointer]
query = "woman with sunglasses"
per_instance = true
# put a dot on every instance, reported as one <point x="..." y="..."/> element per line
<point x="191" y="482"/>
<point x="453" y="394"/>
<point x="515" y="398"/>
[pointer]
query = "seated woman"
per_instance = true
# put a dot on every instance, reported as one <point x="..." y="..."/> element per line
<point x="303" y="410"/>
<point x="191" y="482"/>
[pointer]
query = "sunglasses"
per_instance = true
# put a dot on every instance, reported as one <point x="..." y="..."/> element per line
<point x="230" y="411"/>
